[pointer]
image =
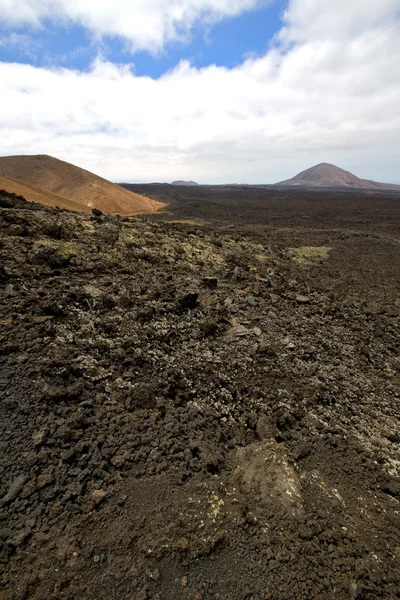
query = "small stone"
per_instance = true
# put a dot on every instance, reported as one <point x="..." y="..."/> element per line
<point x="42" y="318"/>
<point x="266" y="350"/>
<point x="237" y="330"/>
<point x="51" y="391"/>
<point x="117" y="461"/>
<point x="154" y="575"/>
<point x="183" y="544"/>
<point x="44" y="480"/>
<point x="52" y="230"/>
<point x="301" y="451"/>
<point x="184" y="581"/>
<point x="29" y="489"/>
<point x="88" y="507"/>
<point x="39" y="437"/>
<point x="98" y="496"/>
<point x="189" y="301"/>
<point x="302" y="299"/>
<point x="16" y="230"/>
<point x="273" y="564"/>
<point x="392" y="488"/>
<point x="96" y="212"/>
<point x="305" y="532"/>
<point x="22" y="358"/>
<point x="4" y="276"/>
<point x="142" y="595"/>
<point x="93" y="291"/>
<point x="20" y="538"/>
<point x="56" y="509"/>
<point x="210" y="282"/>
<point x="14" y="491"/>
<point x="353" y="589"/>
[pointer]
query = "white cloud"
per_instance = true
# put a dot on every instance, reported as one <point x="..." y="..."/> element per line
<point x="146" y="24"/>
<point x="309" y="99"/>
<point x="24" y="43"/>
<point x="338" y="20"/>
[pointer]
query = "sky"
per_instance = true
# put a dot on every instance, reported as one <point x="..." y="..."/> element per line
<point x="217" y="91"/>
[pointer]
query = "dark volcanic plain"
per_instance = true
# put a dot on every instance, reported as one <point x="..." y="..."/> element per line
<point x="201" y="404"/>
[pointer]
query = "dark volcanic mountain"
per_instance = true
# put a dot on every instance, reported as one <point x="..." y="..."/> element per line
<point x="327" y="175"/>
<point x="181" y="182"/>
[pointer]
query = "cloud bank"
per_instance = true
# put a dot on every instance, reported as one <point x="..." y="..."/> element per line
<point x="145" y="24"/>
<point x="328" y="89"/>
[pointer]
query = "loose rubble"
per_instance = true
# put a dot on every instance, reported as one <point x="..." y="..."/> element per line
<point x="191" y="413"/>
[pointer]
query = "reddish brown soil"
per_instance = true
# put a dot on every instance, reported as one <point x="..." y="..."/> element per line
<point x="74" y="187"/>
<point x="35" y="194"/>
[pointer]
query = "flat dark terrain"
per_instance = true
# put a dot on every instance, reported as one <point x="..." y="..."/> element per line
<point x="361" y="227"/>
<point x="275" y="207"/>
<point x="201" y="404"/>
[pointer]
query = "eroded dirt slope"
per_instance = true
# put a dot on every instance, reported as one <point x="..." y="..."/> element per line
<point x="75" y="184"/>
<point x="196" y="413"/>
<point x="33" y="193"/>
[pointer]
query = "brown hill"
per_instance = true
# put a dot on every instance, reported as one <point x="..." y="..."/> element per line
<point x="32" y="193"/>
<point x="326" y="175"/>
<point x="58" y="183"/>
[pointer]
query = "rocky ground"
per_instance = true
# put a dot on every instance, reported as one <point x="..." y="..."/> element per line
<point x="198" y="411"/>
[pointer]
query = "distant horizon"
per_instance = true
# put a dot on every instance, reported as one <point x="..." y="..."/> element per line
<point x="233" y="183"/>
<point x="216" y="183"/>
<point x="147" y="182"/>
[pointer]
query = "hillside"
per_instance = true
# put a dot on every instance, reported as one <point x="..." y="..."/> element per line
<point x="72" y="183"/>
<point x="327" y="175"/>
<point x="32" y="193"/>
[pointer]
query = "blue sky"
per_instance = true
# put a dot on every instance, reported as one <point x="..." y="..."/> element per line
<point x="211" y="90"/>
<point x="225" y="43"/>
